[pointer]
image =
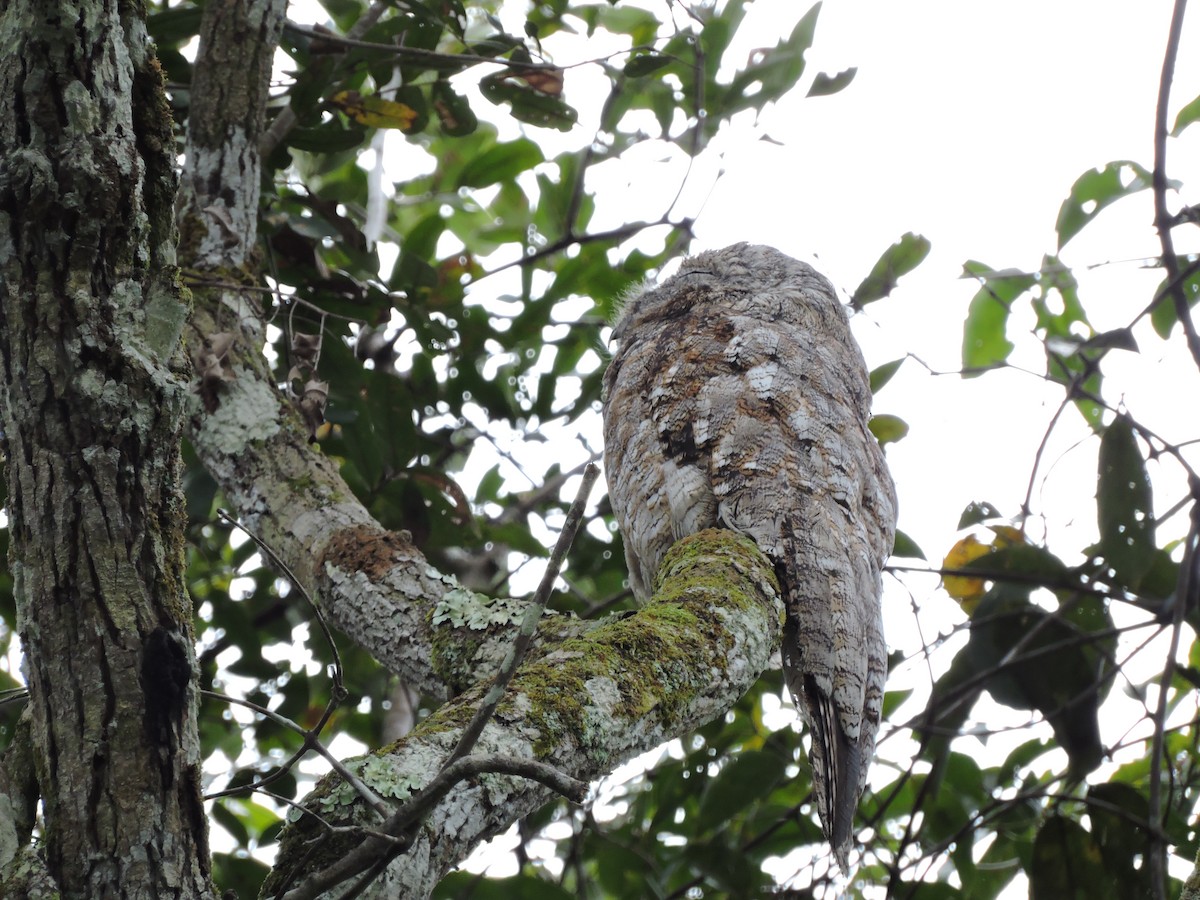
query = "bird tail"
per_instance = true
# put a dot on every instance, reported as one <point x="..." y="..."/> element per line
<point x="836" y="763"/>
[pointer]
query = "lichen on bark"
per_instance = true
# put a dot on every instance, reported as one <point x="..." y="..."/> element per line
<point x="584" y="706"/>
<point x="91" y="408"/>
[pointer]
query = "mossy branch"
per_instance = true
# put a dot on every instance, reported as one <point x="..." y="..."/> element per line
<point x="584" y="708"/>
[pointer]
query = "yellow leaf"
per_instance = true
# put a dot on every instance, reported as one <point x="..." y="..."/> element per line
<point x="1007" y="536"/>
<point x="962" y="588"/>
<point x="374" y="111"/>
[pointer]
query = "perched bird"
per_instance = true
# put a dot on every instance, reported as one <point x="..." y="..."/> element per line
<point x="737" y="398"/>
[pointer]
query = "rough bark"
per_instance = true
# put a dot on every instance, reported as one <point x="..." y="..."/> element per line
<point x="372" y="583"/>
<point x="585" y="707"/>
<point x="219" y="203"/>
<point x="90" y="324"/>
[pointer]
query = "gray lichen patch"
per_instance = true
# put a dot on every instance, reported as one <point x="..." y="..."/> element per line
<point x="249" y="411"/>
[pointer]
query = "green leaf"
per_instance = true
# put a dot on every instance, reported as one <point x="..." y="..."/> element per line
<point x="1164" y="316"/>
<point x="529" y="105"/>
<point x="899" y="259"/>
<point x="468" y="884"/>
<point x="1000" y="863"/>
<point x="1186" y="117"/>
<point x="331" y="137"/>
<point x="1162" y="578"/>
<point x="1095" y="190"/>
<point x="985" y="344"/>
<point x="824" y="85"/>
<point x="1117" y="339"/>
<point x="231" y="821"/>
<point x="925" y="890"/>
<point x="453" y="111"/>
<point x="881" y="375"/>
<point x="976" y="512"/>
<point x="645" y="63"/>
<point x="744" y="779"/>
<point x="888" y="429"/>
<point x="1111" y="827"/>
<point x="773" y="72"/>
<point x="893" y="700"/>
<point x="1056" y="670"/>
<point x="1068" y="864"/>
<point x="1124" y="505"/>
<point x="906" y="546"/>
<point x="174" y="26"/>
<point x="240" y="875"/>
<point x="503" y="162"/>
<point x="1024" y="754"/>
<point x="1024" y="559"/>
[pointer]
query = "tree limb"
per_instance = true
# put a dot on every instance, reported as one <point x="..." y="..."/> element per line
<point x="584" y="708"/>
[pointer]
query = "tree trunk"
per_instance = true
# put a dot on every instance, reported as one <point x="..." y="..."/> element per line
<point x="90" y="323"/>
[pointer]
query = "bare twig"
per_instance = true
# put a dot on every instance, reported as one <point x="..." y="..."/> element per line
<point x="1185" y="592"/>
<point x="463" y="60"/>
<point x="1163" y="220"/>
<point x="1026" y="511"/>
<point x="310" y="742"/>
<point x="533" y="615"/>
<point x="339" y="691"/>
<point x="570" y="240"/>
<point x="527" y="502"/>
<point x="383" y="841"/>
<point x="1031" y="578"/>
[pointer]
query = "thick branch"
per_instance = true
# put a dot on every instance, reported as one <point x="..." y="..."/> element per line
<point x="584" y="708"/>
<point x="373" y="584"/>
<point x="219" y="197"/>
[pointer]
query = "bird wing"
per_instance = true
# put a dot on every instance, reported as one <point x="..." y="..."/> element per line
<point x="793" y="466"/>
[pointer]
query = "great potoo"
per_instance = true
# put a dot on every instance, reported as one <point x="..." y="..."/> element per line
<point x="737" y="398"/>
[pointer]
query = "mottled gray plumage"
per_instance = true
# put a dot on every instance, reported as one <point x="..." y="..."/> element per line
<point x="738" y="398"/>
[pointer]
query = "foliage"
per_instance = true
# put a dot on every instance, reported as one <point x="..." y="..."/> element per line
<point x="464" y="378"/>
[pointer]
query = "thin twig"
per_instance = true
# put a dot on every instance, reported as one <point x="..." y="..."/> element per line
<point x="366" y="853"/>
<point x="310" y="742"/>
<point x="527" y="502"/>
<point x="339" y="690"/>
<point x="529" y="623"/>
<point x="615" y="234"/>
<point x="1026" y="511"/>
<point x="1079" y="394"/>
<point x="1163" y="220"/>
<point x="1184" y="591"/>
<point x="417" y="54"/>
<point x="1009" y="577"/>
